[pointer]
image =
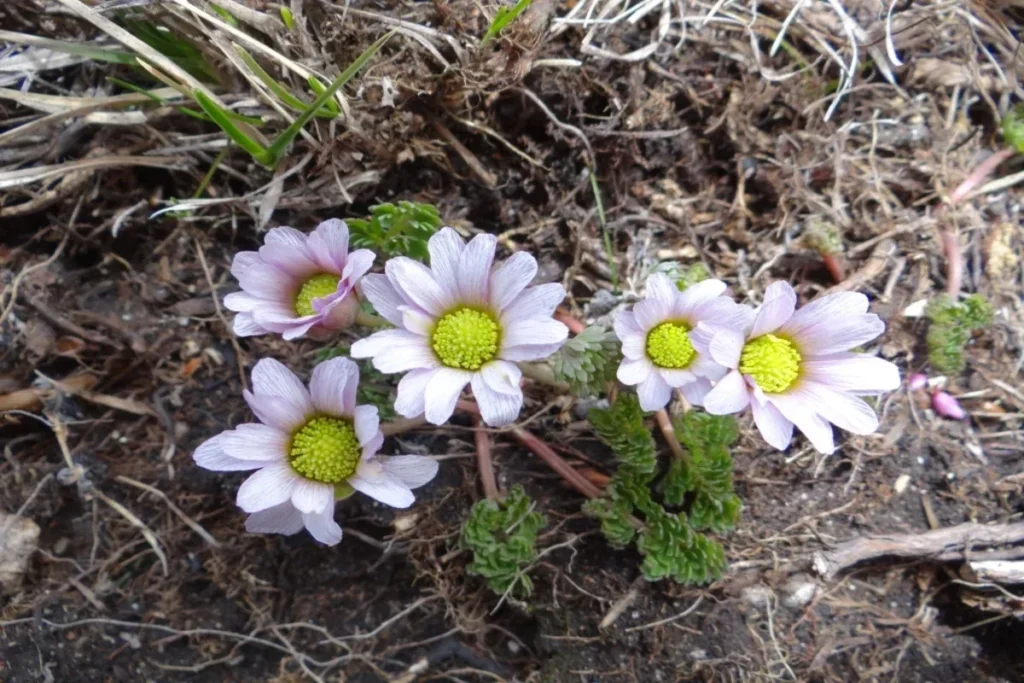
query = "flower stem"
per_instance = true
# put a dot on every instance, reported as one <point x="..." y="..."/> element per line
<point x="545" y="453"/>
<point x="402" y="424"/>
<point x="954" y="262"/>
<point x="365" y="319"/>
<point x="669" y="432"/>
<point x="834" y="265"/>
<point x="483" y="460"/>
<point x="575" y="326"/>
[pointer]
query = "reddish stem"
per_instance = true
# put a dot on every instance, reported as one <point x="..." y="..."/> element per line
<point x="834" y="264"/>
<point x="563" y="316"/>
<point x="483" y="460"/>
<point x="545" y="453"/>
<point x="669" y="432"/>
<point x="979" y="174"/>
<point x="954" y="262"/>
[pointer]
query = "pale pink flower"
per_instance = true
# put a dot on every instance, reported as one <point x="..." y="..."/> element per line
<point x="314" y="447"/>
<point x="945" y="404"/>
<point x="796" y="368"/>
<point x="917" y="382"/>
<point x="298" y="284"/>
<point x="461" y="321"/>
<point x="656" y="339"/>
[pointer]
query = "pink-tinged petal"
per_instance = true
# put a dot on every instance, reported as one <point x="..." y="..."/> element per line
<point x="242" y="302"/>
<point x="634" y="345"/>
<point x="779" y="304"/>
<point x="312" y="496"/>
<point x="242" y="261"/>
<point x="358" y="264"/>
<point x="841" y="409"/>
<point x="854" y="372"/>
<point x="415" y="283"/>
<point x="776" y="430"/>
<point x="653" y="392"/>
<point x="945" y="404"/>
<point x="298" y="331"/>
<point x="333" y="387"/>
<point x="211" y="456"/>
<point x="498" y="409"/>
<point x="726" y="313"/>
<point x="276" y="412"/>
<point x="367" y="423"/>
<point x="827" y="308"/>
<point x="328" y="245"/>
<point x="697" y="295"/>
<point x="293" y="260"/>
<point x="267" y="282"/>
<point x="503" y="377"/>
<point x="650" y="313"/>
<point x="287" y="236"/>
<point x="625" y="325"/>
<point x="701" y="336"/>
<point x="442" y="391"/>
<point x="803" y="414"/>
<point x="529" y="352"/>
<point x="538" y="331"/>
<point x="337" y="314"/>
<point x="410" y="400"/>
<point x="384" y="297"/>
<point x="371" y="447"/>
<point x="278" y="317"/>
<point x="676" y="378"/>
<point x="915" y="382"/>
<point x="535" y="302"/>
<point x="395" y="351"/>
<point x="413" y="471"/>
<point x="837" y="334"/>
<point x="475" y="269"/>
<point x="446" y="248"/>
<point x="371" y="480"/>
<point x="273" y="378"/>
<point x="322" y="526"/>
<point x="245" y="326"/>
<point x="633" y="372"/>
<point x="271" y="486"/>
<point x="704" y="367"/>
<point x="511" y="278"/>
<point x="417" y="322"/>
<point x="726" y="347"/>
<point x="660" y="288"/>
<point x="257" y="442"/>
<point x="729" y="396"/>
<point x="695" y="392"/>
<point x="280" y="519"/>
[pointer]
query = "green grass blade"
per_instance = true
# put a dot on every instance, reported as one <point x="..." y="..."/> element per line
<point x="277" y="147"/>
<point x="279" y="90"/>
<point x="222" y="119"/>
<point x="287" y="18"/>
<point x="100" y="54"/>
<point x="318" y="89"/>
<point x="504" y="17"/>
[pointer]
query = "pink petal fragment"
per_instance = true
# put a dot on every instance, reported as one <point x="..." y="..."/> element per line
<point x="776" y="430"/>
<point x="328" y="245"/>
<point x="511" y="278"/>
<point x="333" y="387"/>
<point x="779" y="304"/>
<point x="729" y="396"/>
<point x="266" y="488"/>
<point x="280" y="519"/>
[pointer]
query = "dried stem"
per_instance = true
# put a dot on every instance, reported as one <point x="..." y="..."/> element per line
<point x="669" y="432"/>
<point x="482" y="439"/>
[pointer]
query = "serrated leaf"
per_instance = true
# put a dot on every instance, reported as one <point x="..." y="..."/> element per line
<point x="502" y="535"/>
<point x="401" y="229"/>
<point x="622" y="428"/>
<point x="588" y="361"/>
<point x="952" y="326"/>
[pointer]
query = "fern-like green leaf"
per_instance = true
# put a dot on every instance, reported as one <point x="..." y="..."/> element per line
<point x="706" y="472"/>
<point x="588" y="361"/>
<point x="952" y="326"/>
<point x="622" y="427"/>
<point x="397" y="229"/>
<point x="502" y="535"/>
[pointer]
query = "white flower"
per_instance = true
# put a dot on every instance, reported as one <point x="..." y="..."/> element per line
<point x="298" y="284"/>
<point x="656" y="339"/>
<point x="796" y="368"/>
<point x="313" y="448"/>
<point x="461" y="322"/>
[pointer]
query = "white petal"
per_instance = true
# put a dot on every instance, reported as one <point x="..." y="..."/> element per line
<point x="357" y="265"/>
<point x="703" y="366"/>
<point x="650" y="313"/>
<point x="242" y="261"/>
<point x="328" y="245"/>
<point x="660" y="288"/>
<point x="724" y="312"/>
<point x="273" y="378"/>
<point x="511" y="278"/>
<point x="634" y="345"/>
<point x="395" y="351"/>
<point x="475" y="269"/>
<point x="837" y="335"/>
<point x="853" y="372"/>
<point x="446" y="247"/>
<point x="297" y="331"/>
<point x="268" y="487"/>
<point x="211" y="456"/>
<point x="294" y="260"/>
<point x="804" y="415"/>
<point x="276" y="412"/>
<point x="252" y="441"/>
<point x="653" y="392"/>
<point x="827" y="308"/>
<point x="366" y="423"/>
<point x="701" y="336"/>
<point x="264" y="281"/>
<point x="625" y="325"/>
<point x="729" y="396"/>
<point x="416" y="283"/>
<point x="503" y="377"/>
<point x="633" y="372"/>
<point x="726" y="347"/>
<point x="538" y="331"/>
<point x="333" y="387"/>
<point x="776" y="430"/>
<point x="245" y="326"/>
<point x="696" y="296"/>
<point x="312" y="496"/>
<point x="286" y="235"/>
<point x="384" y="297"/>
<point x="779" y="304"/>
<point x="410" y="400"/>
<point x="280" y="519"/>
<point x="243" y="302"/>
<point x="442" y="391"/>
<point x="322" y="526"/>
<point x="416" y="321"/>
<point x="371" y="479"/>
<point x="676" y="378"/>
<point x="412" y="470"/>
<point x="535" y="302"/>
<point x="841" y="409"/>
<point x="498" y="409"/>
<point x="371" y="447"/>
<point x="529" y="352"/>
<point x="695" y="392"/>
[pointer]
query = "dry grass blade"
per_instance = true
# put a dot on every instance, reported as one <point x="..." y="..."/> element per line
<point x="191" y="523"/>
<point x="147" y="533"/>
<point x="27" y="176"/>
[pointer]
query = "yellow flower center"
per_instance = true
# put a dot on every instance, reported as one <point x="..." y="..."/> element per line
<point x="668" y="346"/>
<point x="326" y="450"/>
<point x="772" y="361"/>
<point x="466" y="338"/>
<point x="316" y="287"/>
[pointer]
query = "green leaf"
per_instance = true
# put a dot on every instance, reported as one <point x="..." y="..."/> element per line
<point x="953" y="324"/>
<point x="287" y="18"/>
<point x="671" y="549"/>
<point x="684" y="276"/>
<point x="706" y="472"/>
<point x="221" y="117"/>
<point x="279" y="90"/>
<point x="401" y="229"/>
<point x="622" y="427"/>
<point x="1013" y="127"/>
<point x="503" y="17"/>
<point x="588" y="361"/>
<point x="502" y="536"/>
<point x="99" y="54"/>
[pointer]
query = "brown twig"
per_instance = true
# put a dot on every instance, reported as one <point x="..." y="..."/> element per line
<point x="482" y="439"/>
<point x="239" y="356"/>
